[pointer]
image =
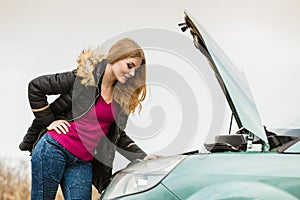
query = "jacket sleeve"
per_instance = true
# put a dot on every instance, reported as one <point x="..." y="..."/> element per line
<point x="31" y="136"/>
<point x="40" y="87"/>
<point x="128" y="148"/>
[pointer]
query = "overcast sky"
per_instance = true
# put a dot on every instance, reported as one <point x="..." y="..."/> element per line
<point x="39" y="36"/>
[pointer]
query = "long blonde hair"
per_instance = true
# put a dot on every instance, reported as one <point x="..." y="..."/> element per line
<point x="133" y="92"/>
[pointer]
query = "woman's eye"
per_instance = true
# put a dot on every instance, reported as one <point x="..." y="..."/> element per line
<point x="130" y="66"/>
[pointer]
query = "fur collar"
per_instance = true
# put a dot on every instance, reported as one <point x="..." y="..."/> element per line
<point x="86" y="63"/>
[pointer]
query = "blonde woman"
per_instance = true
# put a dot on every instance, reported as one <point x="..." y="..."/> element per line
<point x="84" y="126"/>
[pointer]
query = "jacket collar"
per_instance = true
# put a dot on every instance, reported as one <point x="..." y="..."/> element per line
<point x="99" y="71"/>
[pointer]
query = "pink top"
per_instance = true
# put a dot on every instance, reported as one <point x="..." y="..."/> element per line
<point x="85" y="133"/>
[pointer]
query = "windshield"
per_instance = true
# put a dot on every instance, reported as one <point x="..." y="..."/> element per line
<point x="235" y="86"/>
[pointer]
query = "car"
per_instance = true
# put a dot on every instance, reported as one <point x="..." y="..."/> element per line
<point x="252" y="163"/>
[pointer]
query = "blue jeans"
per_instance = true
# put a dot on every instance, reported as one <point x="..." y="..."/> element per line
<point x="52" y="165"/>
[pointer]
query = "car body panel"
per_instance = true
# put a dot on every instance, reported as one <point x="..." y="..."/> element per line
<point x="260" y="172"/>
<point x="241" y="191"/>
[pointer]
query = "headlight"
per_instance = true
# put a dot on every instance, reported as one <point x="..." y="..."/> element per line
<point x="141" y="176"/>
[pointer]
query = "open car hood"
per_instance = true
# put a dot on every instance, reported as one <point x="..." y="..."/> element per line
<point x="231" y="80"/>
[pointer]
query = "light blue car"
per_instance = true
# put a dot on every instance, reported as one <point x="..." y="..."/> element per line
<point x="250" y="164"/>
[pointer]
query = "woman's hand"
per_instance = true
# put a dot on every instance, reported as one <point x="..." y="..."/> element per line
<point x="150" y="157"/>
<point x="59" y="126"/>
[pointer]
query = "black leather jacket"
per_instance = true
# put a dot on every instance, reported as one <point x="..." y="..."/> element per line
<point x="74" y="101"/>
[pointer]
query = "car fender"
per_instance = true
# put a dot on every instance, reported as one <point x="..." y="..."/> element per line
<point x="241" y="190"/>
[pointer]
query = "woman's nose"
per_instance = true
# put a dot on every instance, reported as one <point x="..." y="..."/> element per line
<point x="131" y="72"/>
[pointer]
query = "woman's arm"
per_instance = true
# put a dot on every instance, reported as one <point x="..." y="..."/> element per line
<point x="128" y="148"/>
<point x="40" y="87"/>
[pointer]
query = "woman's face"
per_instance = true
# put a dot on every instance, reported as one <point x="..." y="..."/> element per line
<point x="125" y="69"/>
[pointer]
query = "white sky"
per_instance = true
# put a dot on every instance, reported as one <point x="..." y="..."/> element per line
<point x="39" y="37"/>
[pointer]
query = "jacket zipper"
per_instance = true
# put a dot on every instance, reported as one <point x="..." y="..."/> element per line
<point x="88" y="108"/>
<point x="118" y="129"/>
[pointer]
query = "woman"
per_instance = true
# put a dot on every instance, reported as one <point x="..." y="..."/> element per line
<point x="85" y="124"/>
